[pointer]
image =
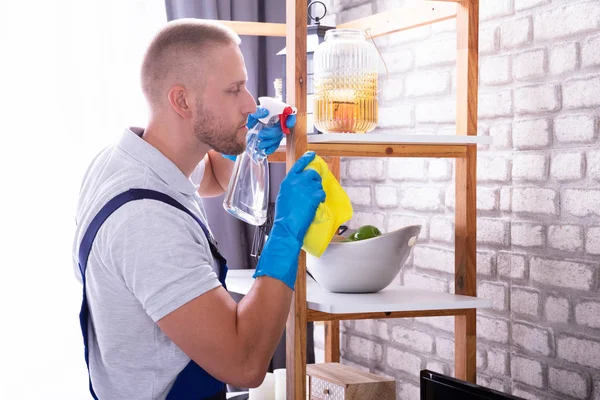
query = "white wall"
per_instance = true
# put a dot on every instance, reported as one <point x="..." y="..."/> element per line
<point x="68" y="86"/>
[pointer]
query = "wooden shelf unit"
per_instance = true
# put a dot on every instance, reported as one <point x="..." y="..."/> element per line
<point x="466" y="13"/>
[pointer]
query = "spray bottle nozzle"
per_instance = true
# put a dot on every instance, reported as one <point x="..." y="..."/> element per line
<point x="276" y="108"/>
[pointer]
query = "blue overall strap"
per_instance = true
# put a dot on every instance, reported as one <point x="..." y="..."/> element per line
<point x="192" y="382"/>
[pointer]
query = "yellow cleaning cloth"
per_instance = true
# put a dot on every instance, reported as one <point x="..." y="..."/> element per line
<point x="336" y="210"/>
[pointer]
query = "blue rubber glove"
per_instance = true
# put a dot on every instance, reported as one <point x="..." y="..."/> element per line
<point x="299" y="196"/>
<point x="269" y="137"/>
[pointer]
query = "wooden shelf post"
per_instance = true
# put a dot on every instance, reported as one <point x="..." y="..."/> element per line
<point x="332" y="328"/>
<point x="296" y="92"/>
<point x="467" y="33"/>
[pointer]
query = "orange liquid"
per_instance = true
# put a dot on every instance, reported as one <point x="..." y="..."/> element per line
<point x="346" y="104"/>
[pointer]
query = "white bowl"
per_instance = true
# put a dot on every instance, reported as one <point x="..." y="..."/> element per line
<point x="364" y="266"/>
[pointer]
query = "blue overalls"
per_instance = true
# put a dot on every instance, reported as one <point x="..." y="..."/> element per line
<point x="193" y="382"/>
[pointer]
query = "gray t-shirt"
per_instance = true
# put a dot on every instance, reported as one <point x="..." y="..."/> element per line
<point x="147" y="260"/>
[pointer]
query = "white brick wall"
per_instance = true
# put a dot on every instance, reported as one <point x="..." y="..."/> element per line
<point x="532" y="338"/>
<point x="422" y="198"/>
<point x="412" y="339"/>
<point x="492" y="231"/>
<point x="525" y="300"/>
<point x="444" y="348"/>
<point x="434" y="258"/>
<point x="493" y="329"/>
<point x="521" y="5"/>
<point x="581" y="203"/>
<point x="494" y="291"/>
<point x="530" y="64"/>
<point x="557" y="309"/>
<point x="582" y="351"/>
<point x="563" y="21"/>
<point x="537" y="99"/>
<point x="501" y="136"/>
<point x="397" y="221"/>
<point x="493" y="104"/>
<point x="590" y="51"/>
<point x="516" y="32"/>
<point x="512" y="265"/>
<point x="438" y="52"/>
<point x="581" y="92"/>
<point x="372" y="327"/>
<point x="534" y="200"/>
<point x="496" y="70"/>
<point x="567" y="167"/>
<point x="365" y="348"/>
<point x="568" y="382"/>
<point x="592" y="243"/>
<point x="565" y="237"/>
<point x="538" y="198"/>
<point x="575" y="128"/>
<point x="531" y="134"/>
<point x="402" y="116"/>
<point x="407" y="169"/>
<point x="366" y="169"/>
<point x="496" y="9"/>
<point x="527" y="371"/>
<point x="588" y="313"/>
<point x="492" y="169"/>
<point x="359" y="195"/>
<point x="442" y="229"/>
<point x="403" y="361"/>
<point x="530" y="167"/>
<point x="440" y="170"/>
<point x="414" y="279"/>
<point x="436" y="111"/>
<point x="527" y="235"/>
<point x="427" y="83"/>
<point x="387" y="196"/>
<point x="563" y="57"/>
<point x="593" y="165"/>
<point x="487" y="198"/>
<point x="497" y="362"/>
<point x="488" y="38"/>
<point x="566" y="274"/>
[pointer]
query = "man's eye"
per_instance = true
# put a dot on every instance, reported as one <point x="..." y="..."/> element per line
<point x="235" y="90"/>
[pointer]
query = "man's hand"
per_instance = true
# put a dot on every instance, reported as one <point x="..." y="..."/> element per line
<point x="300" y="194"/>
<point x="269" y="137"/>
<point x="217" y="171"/>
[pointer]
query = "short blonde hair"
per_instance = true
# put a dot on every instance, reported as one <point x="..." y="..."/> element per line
<point x="173" y="50"/>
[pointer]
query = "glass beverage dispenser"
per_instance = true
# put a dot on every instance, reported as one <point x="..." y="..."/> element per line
<point x="346" y="87"/>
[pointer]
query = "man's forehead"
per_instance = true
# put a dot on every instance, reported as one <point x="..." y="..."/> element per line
<point x="227" y="64"/>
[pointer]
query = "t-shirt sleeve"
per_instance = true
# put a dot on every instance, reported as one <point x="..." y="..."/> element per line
<point x="198" y="173"/>
<point x="163" y="257"/>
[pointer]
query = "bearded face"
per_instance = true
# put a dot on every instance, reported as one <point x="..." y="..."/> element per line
<point x="220" y="132"/>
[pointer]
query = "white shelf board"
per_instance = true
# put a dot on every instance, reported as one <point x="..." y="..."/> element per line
<point x="392" y="299"/>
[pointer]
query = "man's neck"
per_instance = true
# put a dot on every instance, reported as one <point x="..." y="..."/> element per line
<point x="182" y="150"/>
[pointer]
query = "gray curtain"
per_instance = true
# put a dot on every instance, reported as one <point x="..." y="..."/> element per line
<point x="234" y="236"/>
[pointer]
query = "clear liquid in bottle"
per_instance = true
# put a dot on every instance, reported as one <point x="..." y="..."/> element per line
<point x="248" y="192"/>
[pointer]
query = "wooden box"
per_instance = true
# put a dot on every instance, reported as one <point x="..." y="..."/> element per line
<point x="335" y="381"/>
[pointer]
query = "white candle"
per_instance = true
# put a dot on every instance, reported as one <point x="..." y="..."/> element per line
<point x="280" y="380"/>
<point x="266" y="390"/>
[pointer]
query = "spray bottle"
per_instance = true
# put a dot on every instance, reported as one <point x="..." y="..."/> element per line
<point x="248" y="192"/>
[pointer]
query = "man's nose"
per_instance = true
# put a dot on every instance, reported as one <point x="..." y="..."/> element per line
<point x="249" y="104"/>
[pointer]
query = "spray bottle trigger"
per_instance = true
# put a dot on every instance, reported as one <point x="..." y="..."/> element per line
<point x="287" y="111"/>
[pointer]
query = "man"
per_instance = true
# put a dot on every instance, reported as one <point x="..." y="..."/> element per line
<point x="156" y="319"/>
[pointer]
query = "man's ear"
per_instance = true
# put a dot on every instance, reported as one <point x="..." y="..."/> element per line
<point x="180" y="101"/>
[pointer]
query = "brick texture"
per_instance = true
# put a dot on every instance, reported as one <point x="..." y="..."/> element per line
<point x="538" y="197"/>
